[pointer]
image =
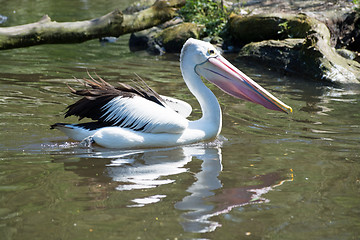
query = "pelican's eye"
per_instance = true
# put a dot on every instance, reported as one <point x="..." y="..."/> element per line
<point x="211" y="51"/>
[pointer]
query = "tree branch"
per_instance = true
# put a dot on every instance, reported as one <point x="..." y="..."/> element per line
<point x="112" y="24"/>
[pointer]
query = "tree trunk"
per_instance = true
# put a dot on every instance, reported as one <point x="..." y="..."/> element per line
<point x="112" y="24"/>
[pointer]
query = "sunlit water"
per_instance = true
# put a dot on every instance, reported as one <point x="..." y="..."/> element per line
<point x="268" y="176"/>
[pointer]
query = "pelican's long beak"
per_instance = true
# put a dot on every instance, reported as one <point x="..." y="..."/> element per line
<point x="231" y="80"/>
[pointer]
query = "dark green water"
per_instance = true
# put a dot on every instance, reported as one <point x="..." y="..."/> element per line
<point x="269" y="175"/>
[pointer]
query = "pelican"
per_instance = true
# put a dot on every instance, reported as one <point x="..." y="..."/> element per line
<point x="128" y="117"/>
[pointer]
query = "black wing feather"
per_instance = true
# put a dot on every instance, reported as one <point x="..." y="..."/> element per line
<point x="96" y="94"/>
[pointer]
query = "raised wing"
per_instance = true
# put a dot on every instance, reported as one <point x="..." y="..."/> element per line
<point x="139" y="108"/>
<point x="179" y="106"/>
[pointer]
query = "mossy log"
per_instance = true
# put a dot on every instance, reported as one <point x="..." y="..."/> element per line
<point x="112" y="24"/>
<point x="295" y="43"/>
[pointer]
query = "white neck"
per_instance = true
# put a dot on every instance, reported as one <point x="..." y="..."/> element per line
<point x="211" y="120"/>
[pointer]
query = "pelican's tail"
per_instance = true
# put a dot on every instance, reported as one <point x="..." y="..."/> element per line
<point x="77" y="132"/>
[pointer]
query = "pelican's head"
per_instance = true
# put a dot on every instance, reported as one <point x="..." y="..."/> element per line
<point x="209" y="64"/>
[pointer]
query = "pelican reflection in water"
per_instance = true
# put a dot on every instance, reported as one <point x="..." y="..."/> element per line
<point x="138" y="170"/>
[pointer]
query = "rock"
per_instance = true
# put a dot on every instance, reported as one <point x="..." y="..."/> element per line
<point x="246" y="29"/>
<point x="168" y="37"/>
<point x="283" y="55"/>
<point x="311" y="55"/>
<point x="145" y="41"/>
<point x="173" y="38"/>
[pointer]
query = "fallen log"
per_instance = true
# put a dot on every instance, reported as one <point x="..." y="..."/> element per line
<point x="113" y="24"/>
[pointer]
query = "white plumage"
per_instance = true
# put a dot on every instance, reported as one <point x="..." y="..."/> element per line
<point x="138" y="113"/>
<point x="181" y="107"/>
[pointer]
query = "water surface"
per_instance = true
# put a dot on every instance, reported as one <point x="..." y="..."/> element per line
<point x="268" y="176"/>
